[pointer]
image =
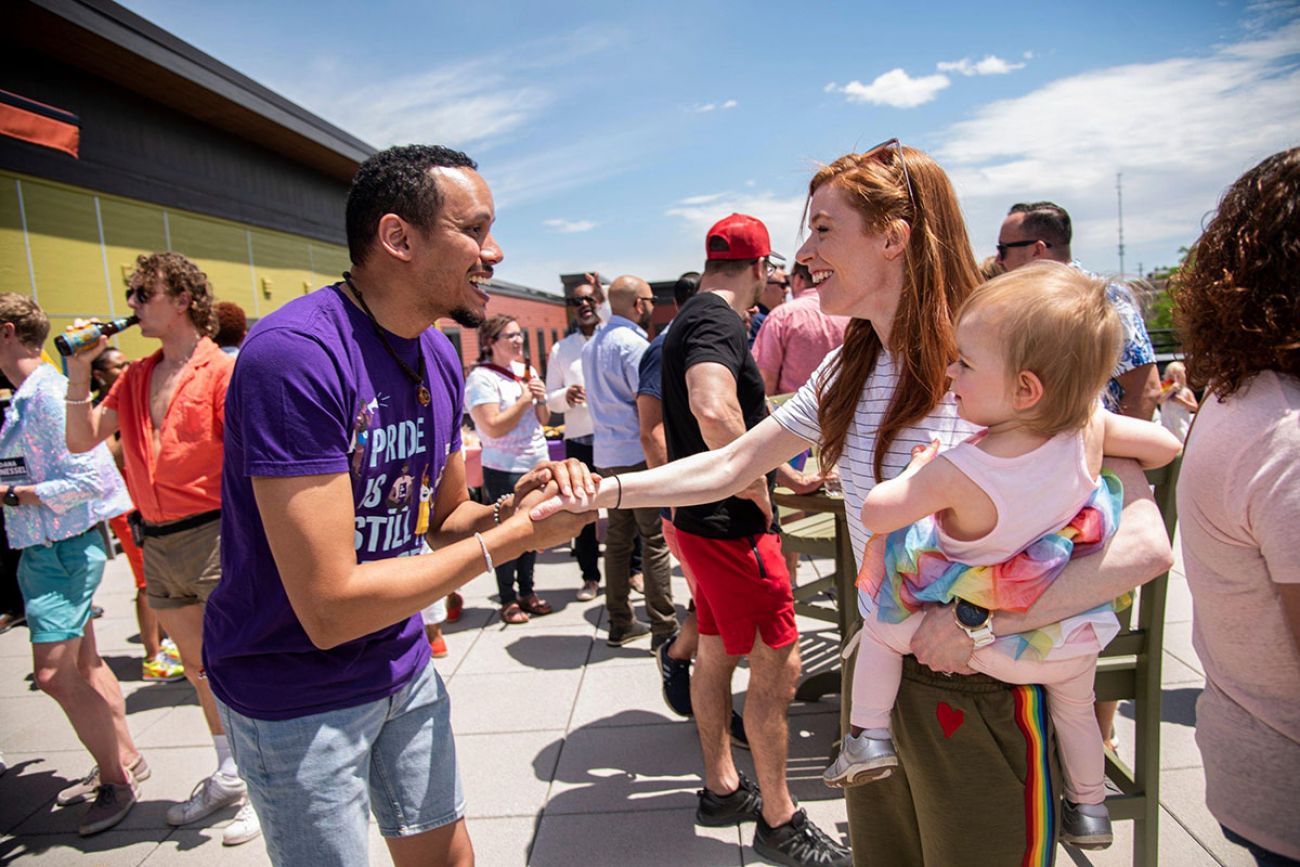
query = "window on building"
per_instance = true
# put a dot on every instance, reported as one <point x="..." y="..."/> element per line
<point x="541" y="351"/>
<point x="453" y="334"/>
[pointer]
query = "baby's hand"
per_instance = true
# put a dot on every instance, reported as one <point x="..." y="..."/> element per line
<point x="921" y="455"/>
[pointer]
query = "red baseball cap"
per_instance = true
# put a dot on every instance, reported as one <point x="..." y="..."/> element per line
<point x="738" y="237"/>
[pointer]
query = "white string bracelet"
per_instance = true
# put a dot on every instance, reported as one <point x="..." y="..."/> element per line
<point x="70" y="402"/>
<point x="487" y="558"/>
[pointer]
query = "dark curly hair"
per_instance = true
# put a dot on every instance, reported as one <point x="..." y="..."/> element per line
<point x="396" y="181"/>
<point x="232" y="323"/>
<point x="1235" y="303"/>
<point x="177" y="274"/>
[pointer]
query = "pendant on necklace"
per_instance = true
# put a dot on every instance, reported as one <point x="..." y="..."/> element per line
<point x="423" y="396"/>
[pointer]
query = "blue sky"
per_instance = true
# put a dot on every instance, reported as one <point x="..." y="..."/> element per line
<point x="614" y="134"/>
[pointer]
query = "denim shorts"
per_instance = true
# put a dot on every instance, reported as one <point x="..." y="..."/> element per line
<point x="312" y="779"/>
<point x="58" y="581"/>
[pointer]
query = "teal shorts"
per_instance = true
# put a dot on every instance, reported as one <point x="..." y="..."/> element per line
<point x="58" y="581"/>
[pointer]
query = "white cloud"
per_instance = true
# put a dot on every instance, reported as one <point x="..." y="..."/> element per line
<point x="465" y="103"/>
<point x="569" y="227"/>
<point x="713" y="106"/>
<point x="783" y="216"/>
<point x="990" y="65"/>
<point x="894" y="88"/>
<point x="1180" y="130"/>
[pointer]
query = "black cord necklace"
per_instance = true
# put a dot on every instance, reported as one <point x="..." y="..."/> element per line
<point x="421" y="390"/>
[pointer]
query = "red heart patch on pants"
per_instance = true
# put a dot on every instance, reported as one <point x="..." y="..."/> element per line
<point x="950" y="719"/>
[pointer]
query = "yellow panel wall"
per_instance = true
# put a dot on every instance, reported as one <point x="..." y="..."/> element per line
<point x="14" y="276"/>
<point x="328" y="262"/>
<point x="66" y="253"/>
<point x="283" y="265"/>
<point x="69" y="259"/>
<point x="220" y="249"/>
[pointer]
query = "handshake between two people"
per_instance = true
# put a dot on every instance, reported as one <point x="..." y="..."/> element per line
<point x="567" y="481"/>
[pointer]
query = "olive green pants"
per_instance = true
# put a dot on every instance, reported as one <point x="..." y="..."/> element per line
<point x="978" y="782"/>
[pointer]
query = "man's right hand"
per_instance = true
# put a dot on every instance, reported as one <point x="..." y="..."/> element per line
<point x="576" y="395"/>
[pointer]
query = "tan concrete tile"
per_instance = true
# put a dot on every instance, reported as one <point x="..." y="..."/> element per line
<point x="203" y="846"/>
<point x="1176" y="847"/>
<point x="525" y="700"/>
<point x="607" y="692"/>
<point x="1178" y="600"/>
<point x="1174" y="672"/>
<point x="643" y="838"/>
<point x="1178" y="641"/>
<point x="33" y="780"/>
<point x="505" y="649"/>
<point x="185" y="726"/>
<point x="507" y="775"/>
<point x="1182" y="794"/>
<point x="504" y="842"/>
<point x="16" y="674"/>
<point x="112" y="848"/>
<point x="626" y="764"/>
<point x="36" y="723"/>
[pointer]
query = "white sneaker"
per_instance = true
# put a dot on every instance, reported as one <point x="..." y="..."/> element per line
<point x="244" y="827"/>
<point x="209" y="795"/>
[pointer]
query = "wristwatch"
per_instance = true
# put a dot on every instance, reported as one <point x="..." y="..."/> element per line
<point x="977" y="622"/>
<point x="11" y="496"/>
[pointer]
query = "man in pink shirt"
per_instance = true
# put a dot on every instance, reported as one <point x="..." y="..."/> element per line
<point x="796" y="337"/>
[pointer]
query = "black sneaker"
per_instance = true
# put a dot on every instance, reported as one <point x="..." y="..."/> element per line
<point x="738" y="736"/>
<point x="676" y="676"/>
<point x="799" y="843"/>
<point x="743" y="805"/>
<point x="620" y="635"/>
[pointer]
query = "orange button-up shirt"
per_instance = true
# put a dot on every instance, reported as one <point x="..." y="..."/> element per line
<point x="184" y="477"/>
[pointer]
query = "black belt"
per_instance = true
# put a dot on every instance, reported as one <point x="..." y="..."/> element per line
<point x="183" y="524"/>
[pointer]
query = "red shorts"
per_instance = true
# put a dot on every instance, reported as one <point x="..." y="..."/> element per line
<point x="741" y="586"/>
<point x="134" y="556"/>
<point x="670" y="536"/>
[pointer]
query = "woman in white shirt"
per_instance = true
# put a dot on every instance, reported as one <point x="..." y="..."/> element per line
<point x="508" y="404"/>
<point x="888" y="247"/>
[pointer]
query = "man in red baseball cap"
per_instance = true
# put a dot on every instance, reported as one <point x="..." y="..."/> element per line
<point x="713" y="393"/>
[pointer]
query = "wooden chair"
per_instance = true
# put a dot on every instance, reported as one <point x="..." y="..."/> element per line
<point x="1130" y="668"/>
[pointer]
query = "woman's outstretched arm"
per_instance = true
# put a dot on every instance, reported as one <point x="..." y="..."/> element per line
<point x="703" y="478"/>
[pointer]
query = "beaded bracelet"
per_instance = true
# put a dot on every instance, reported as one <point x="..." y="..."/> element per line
<point x="496" y="508"/>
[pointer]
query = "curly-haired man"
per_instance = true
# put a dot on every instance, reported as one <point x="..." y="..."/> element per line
<point x="170" y="408"/>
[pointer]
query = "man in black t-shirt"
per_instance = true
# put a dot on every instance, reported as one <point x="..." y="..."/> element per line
<point x="713" y="393"/>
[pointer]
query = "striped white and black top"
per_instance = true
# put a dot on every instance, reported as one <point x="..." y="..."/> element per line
<point x="857" y="475"/>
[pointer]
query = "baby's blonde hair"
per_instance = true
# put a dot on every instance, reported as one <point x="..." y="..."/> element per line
<point x="1177" y="369"/>
<point x="1056" y="322"/>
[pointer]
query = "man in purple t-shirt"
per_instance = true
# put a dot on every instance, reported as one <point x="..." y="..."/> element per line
<point x="342" y="419"/>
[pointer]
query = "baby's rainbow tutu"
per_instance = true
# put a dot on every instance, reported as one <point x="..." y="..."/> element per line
<point x="914" y="572"/>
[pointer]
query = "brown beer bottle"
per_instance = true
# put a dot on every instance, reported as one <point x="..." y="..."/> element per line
<point x="72" y="342"/>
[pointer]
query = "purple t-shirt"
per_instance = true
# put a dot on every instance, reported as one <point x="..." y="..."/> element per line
<point x="316" y="392"/>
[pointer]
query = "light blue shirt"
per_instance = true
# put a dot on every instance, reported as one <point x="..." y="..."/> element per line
<point x="609" y="365"/>
<point x="76" y="491"/>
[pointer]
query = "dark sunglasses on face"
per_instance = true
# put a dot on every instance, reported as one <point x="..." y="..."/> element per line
<point x="578" y="301"/>
<point x="1003" y="248"/>
<point x="142" y="295"/>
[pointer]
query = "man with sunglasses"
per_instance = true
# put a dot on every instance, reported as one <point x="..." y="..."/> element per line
<point x="610" y="366"/>
<point x="566" y="393"/>
<point x="772" y="297"/>
<point x="1042" y="230"/>
<point x="170" y="409"/>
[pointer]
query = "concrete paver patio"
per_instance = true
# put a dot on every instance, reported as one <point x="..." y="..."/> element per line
<point x="568" y="753"/>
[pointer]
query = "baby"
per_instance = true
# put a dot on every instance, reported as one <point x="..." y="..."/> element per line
<point x="1177" y="401"/>
<point x="1035" y="348"/>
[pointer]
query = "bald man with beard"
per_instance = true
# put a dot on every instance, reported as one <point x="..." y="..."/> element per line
<point x="610" y="362"/>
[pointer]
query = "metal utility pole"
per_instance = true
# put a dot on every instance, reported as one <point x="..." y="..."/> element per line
<point x="1119" y="195"/>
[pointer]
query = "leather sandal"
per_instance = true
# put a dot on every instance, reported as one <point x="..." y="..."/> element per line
<point x="513" y="613"/>
<point x="535" y="604"/>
